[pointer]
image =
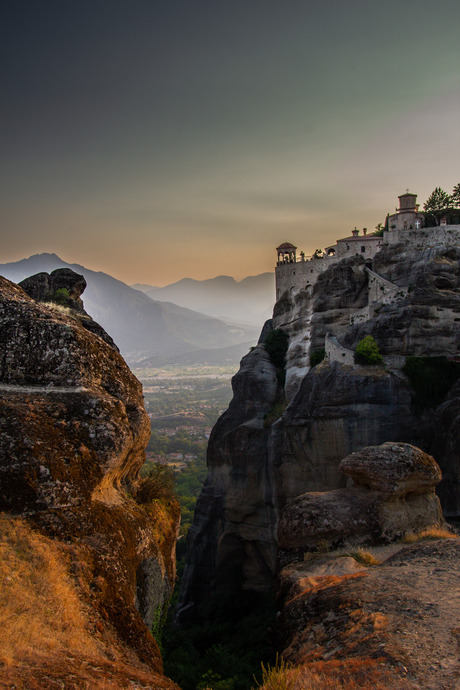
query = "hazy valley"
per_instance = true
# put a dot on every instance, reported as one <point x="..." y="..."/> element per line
<point x="248" y="301"/>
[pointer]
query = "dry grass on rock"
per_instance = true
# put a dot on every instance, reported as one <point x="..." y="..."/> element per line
<point x="40" y="609"/>
<point x="367" y="674"/>
<point x="428" y="535"/>
<point x="48" y="636"/>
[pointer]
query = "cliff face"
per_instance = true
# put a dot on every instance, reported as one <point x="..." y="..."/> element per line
<point x="307" y="315"/>
<point x="73" y="431"/>
<point x="232" y="537"/>
<point x="337" y="410"/>
<point x="332" y="409"/>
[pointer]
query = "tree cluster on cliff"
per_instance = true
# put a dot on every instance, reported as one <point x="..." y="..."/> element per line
<point x="440" y="204"/>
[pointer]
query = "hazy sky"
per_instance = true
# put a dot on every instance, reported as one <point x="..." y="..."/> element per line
<point x="159" y="139"/>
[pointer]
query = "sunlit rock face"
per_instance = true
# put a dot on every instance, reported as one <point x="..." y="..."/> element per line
<point x="73" y="432"/>
<point x="68" y="389"/>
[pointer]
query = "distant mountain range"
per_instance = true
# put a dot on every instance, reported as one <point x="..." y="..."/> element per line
<point x="248" y="301"/>
<point x="147" y="331"/>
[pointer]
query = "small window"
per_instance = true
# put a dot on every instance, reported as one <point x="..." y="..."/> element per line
<point x="363" y="249"/>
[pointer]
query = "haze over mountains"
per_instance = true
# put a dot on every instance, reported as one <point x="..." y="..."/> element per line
<point x="248" y="301"/>
<point x="153" y="332"/>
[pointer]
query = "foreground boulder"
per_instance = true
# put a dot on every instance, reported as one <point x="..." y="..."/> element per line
<point x="395" y="469"/>
<point x="368" y="586"/>
<point x="73" y="431"/>
<point x="393" y="494"/>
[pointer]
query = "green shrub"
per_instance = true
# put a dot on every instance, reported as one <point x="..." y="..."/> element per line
<point x="159" y="622"/>
<point x="367" y="351"/>
<point x="226" y="647"/>
<point x="157" y="485"/>
<point x="430" y="379"/>
<point x="276" y="344"/>
<point x="316" y="357"/>
<point x="274" y="413"/>
<point x="61" y="296"/>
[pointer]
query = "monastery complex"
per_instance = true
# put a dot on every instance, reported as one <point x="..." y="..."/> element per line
<point x="405" y="226"/>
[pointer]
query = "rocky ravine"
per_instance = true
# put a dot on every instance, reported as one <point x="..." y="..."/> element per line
<point x="257" y="465"/>
<point x="73" y="431"/>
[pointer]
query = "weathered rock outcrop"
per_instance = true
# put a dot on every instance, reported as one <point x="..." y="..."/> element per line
<point x="64" y="287"/>
<point x="337" y="410"/>
<point x="62" y="284"/>
<point x="426" y="322"/>
<point x="309" y="314"/>
<point x="393" y="494"/>
<point x="390" y="625"/>
<point x="73" y="431"/>
<point x="338" y="293"/>
<point x="445" y="447"/>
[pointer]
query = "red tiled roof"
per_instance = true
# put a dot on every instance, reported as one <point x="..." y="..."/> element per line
<point x="359" y="238"/>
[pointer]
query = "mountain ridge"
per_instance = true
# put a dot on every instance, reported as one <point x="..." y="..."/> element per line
<point x="247" y="301"/>
<point x="141" y="327"/>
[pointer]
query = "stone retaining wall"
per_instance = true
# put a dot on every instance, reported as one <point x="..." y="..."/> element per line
<point x="424" y="237"/>
<point x="300" y="275"/>
<point x="336" y="352"/>
<point x="382" y="291"/>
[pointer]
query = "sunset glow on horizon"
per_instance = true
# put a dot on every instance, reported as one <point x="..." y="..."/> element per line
<point x="156" y="141"/>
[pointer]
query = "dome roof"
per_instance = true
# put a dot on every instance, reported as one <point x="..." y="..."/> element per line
<point x="285" y="247"/>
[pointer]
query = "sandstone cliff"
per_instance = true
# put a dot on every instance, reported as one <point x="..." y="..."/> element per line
<point x="256" y="466"/>
<point x="73" y="431"/>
